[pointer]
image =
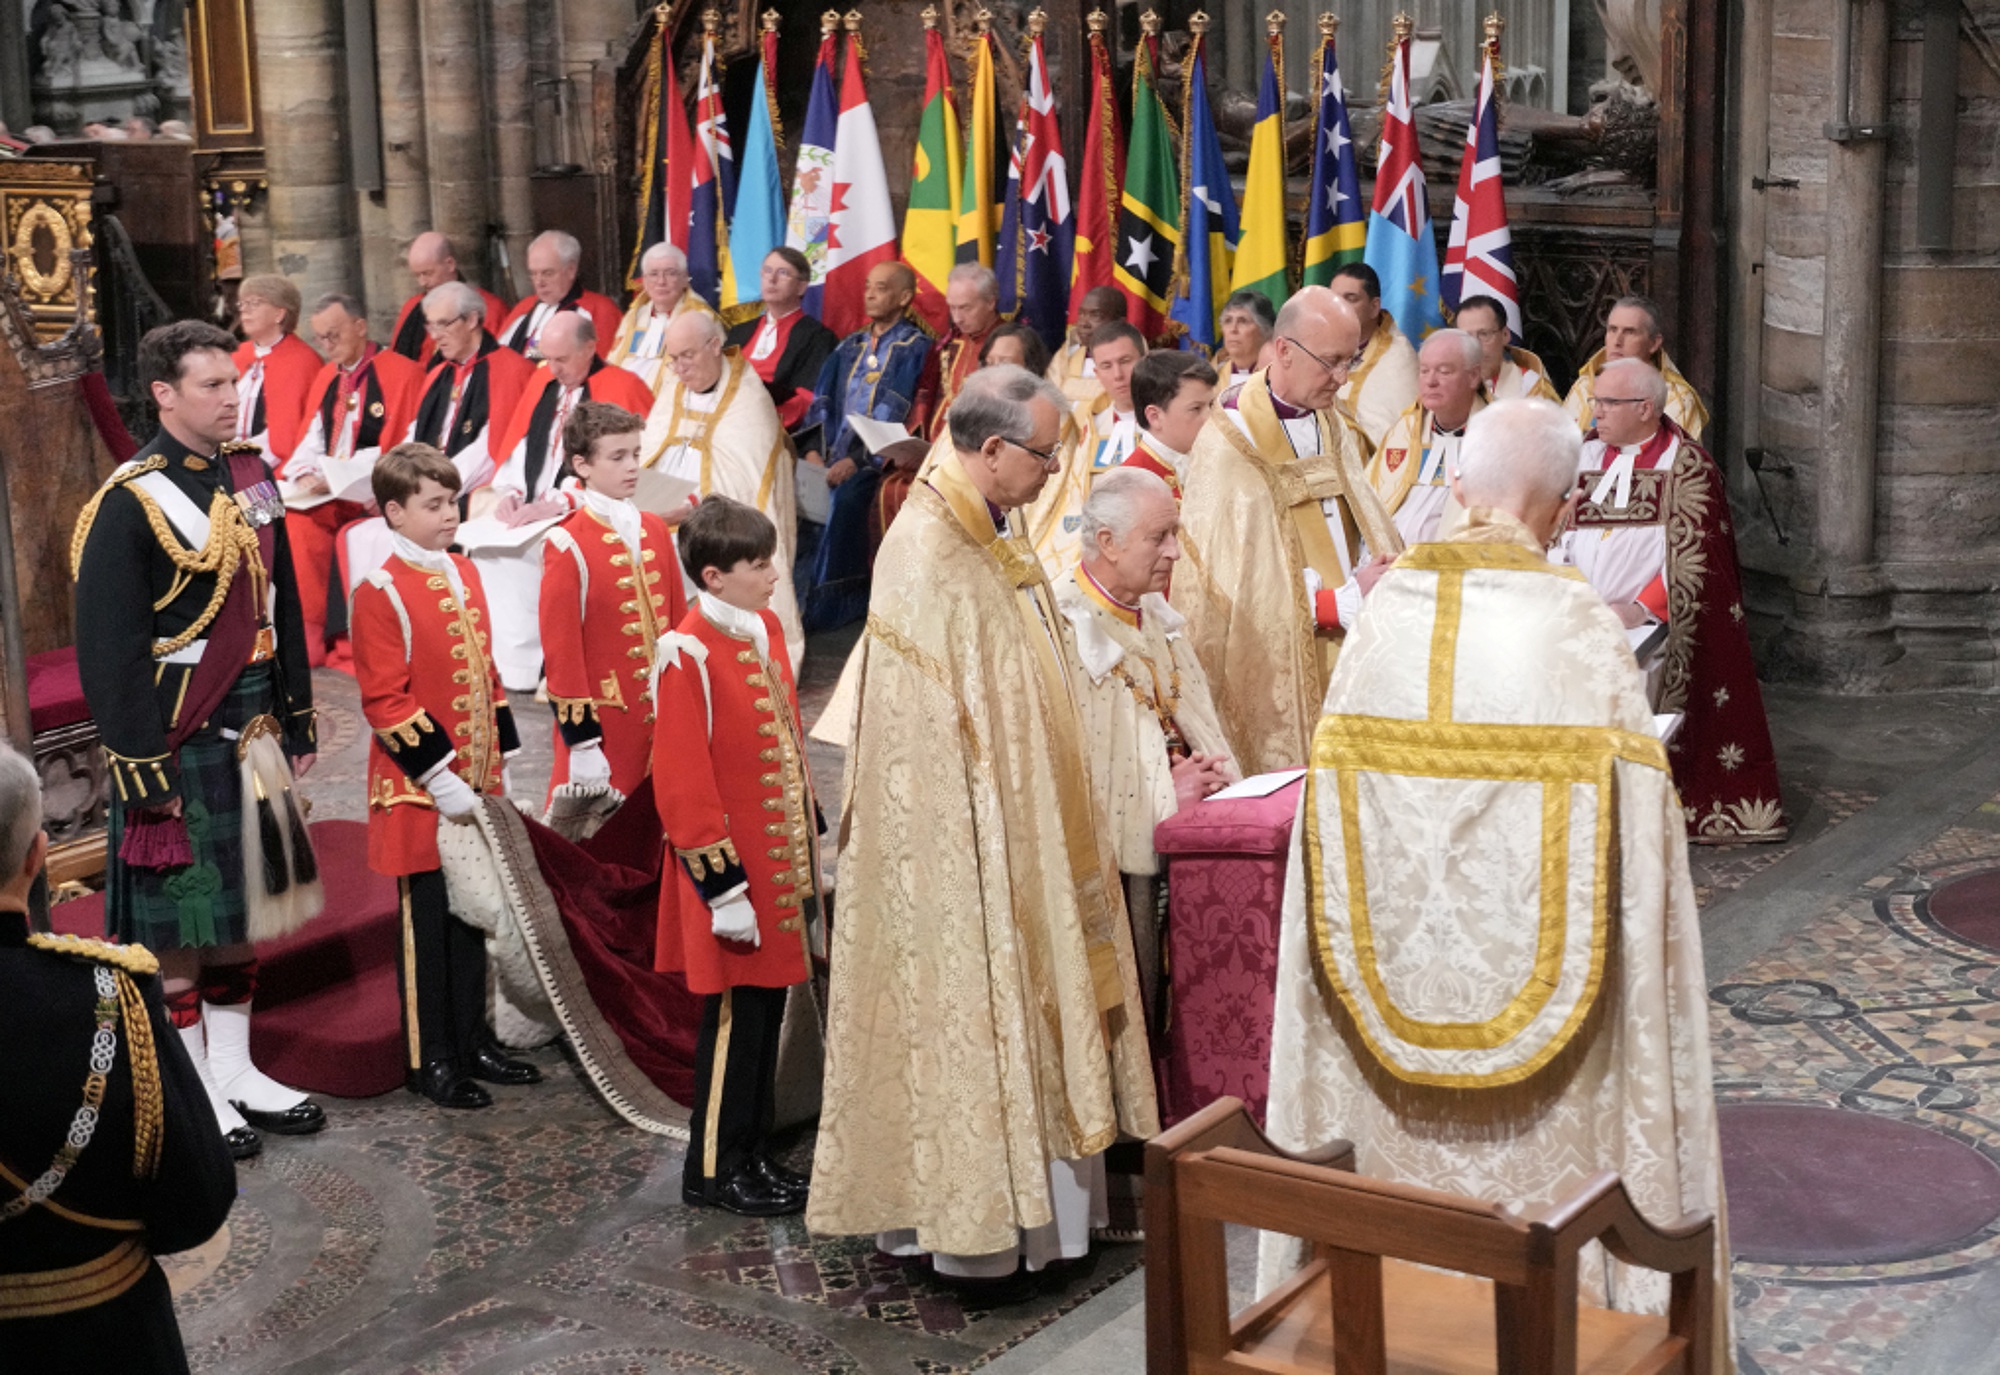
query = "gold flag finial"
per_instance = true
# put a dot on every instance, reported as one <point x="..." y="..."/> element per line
<point x="1494" y="24"/>
<point x="661" y="12"/>
<point x="771" y="18"/>
<point x="982" y="21"/>
<point x="1038" y="20"/>
<point x="1274" y="23"/>
<point x="852" y="21"/>
<point x="1149" y="24"/>
<point x="1198" y="23"/>
<point x="1329" y="23"/>
<point x="711" y="20"/>
<point x="1097" y="22"/>
<point x="1403" y="27"/>
<point x="929" y="16"/>
<point x="829" y="23"/>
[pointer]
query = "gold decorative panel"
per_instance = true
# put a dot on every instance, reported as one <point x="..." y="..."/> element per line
<point x="44" y="214"/>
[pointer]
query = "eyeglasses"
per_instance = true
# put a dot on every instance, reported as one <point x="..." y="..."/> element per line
<point x="439" y="326"/>
<point x="1350" y="365"/>
<point x="1047" y="456"/>
<point x="1600" y="402"/>
<point x="1487" y="336"/>
<point x="779" y="274"/>
<point x="686" y="357"/>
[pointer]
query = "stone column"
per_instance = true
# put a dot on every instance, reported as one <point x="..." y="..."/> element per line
<point x="406" y="190"/>
<point x="455" y="120"/>
<point x="301" y="89"/>
<point x="595" y="31"/>
<point x="512" y="101"/>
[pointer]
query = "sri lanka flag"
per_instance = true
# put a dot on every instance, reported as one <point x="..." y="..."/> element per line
<point x="1336" y="226"/>
<point x="757" y="224"/>
<point x="979" y="203"/>
<point x="862" y="232"/>
<point x="930" y="224"/>
<point x="1149" y="210"/>
<point x="1401" y="247"/>
<point x="714" y="187"/>
<point x="1032" y="259"/>
<point x="1479" y="256"/>
<point x="1098" y="180"/>
<point x="812" y="180"/>
<point x="1260" y="258"/>
<point x="1208" y="224"/>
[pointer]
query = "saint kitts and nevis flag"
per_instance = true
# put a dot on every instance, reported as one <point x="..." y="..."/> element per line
<point x="1479" y="256"/>
<point x="1098" y="179"/>
<point x="1401" y="247"/>
<point x="812" y="179"/>
<point x="1262" y="254"/>
<point x="980" y="200"/>
<point x="861" y="232"/>
<point x="1148" y="238"/>
<point x="930" y="225"/>
<point x="1208" y="217"/>
<point x="1336" y="225"/>
<point x="1036" y="228"/>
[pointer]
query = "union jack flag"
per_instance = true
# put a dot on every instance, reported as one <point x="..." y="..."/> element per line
<point x="1479" y="256"/>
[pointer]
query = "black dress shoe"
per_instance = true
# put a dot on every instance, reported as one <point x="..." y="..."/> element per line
<point x="442" y="1083"/>
<point x="243" y="1143"/>
<point x="777" y="1177"/>
<point x="746" y="1195"/>
<point x="491" y="1064"/>
<point x="302" y="1119"/>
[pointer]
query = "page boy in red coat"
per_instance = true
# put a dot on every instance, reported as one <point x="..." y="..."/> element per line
<point x="729" y="775"/>
<point x="611" y="587"/>
<point x="443" y="735"/>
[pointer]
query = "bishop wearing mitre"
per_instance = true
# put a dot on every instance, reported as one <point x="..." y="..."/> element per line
<point x="1278" y="525"/>
<point x="1489" y="959"/>
<point x="714" y="427"/>
<point x="984" y="1036"/>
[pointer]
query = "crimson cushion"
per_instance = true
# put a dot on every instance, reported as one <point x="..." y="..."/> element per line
<point x="55" y="692"/>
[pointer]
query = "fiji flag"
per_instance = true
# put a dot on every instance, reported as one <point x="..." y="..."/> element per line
<point x="1208" y="228"/>
<point x="1336" y="224"/>
<point x="1479" y="256"/>
<point x="1401" y="247"/>
<point x="812" y="179"/>
<point x="1033" y="256"/>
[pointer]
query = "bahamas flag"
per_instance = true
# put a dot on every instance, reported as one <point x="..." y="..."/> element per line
<point x="1260" y="258"/>
<point x="757" y="225"/>
<point x="1208" y="223"/>
<point x="981" y="200"/>
<point x="1401" y="247"/>
<point x="1149" y="210"/>
<point x="930" y="224"/>
<point x="1336" y="227"/>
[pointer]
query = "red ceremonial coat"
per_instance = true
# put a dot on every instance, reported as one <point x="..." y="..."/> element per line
<point x="955" y="358"/>
<point x="430" y="691"/>
<point x="729" y="776"/>
<point x="1723" y="762"/>
<point x="413" y="340"/>
<point x="602" y="310"/>
<point x="599" y="635"/>
<point x="1146" y="461"/>
<point x="605" y="383"/>
<point x="289" y="369"/>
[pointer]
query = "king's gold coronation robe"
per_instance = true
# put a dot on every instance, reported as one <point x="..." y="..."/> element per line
<point x="1489" y="962"/>
<point x="984" y="1008"/>
<point x="1254" y="517"/>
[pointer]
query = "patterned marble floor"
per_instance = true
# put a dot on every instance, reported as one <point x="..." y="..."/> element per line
<point x="545" y="1236"/>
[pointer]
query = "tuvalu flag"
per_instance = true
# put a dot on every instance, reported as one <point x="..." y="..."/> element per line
<point x="1098" y="179"/>
<point x="979" y="202"/>
<point x="930" y="224"/>
<point x="862" y="233"/>
<point x="1336" y="223"/>
<point x="1208" y="217"/>
<point x="1479" y="255"/>
<point x="1263" y="250"/>
<point x="812" y="176"/>
<point x="1401" y="247"/>
<point x="1149" y="210"/>
<point x="1032" y="259"/>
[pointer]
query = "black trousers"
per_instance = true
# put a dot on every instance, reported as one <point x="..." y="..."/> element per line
<point x="735" y="1078"/>
<point x="443" y="966"/>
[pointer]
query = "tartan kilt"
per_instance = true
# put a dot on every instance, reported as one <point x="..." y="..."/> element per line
<point x="203" y="903"/>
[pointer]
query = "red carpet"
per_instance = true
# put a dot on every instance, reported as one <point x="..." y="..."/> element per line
<point x="327" y="1019"/>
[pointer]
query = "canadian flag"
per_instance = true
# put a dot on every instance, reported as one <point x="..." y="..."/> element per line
<point x="862" y="227"/>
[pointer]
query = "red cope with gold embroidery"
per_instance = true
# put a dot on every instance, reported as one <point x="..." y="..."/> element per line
<point x="729" y="776"/>
<point x="426" y="676"/>
<point x="599" y="630"/>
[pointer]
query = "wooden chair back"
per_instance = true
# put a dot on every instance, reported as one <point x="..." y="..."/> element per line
<point x="1367" y="1237"/>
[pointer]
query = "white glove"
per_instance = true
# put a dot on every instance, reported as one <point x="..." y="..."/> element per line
<point x="735" y="919"/>
<point x="507" y="777"/>
<point x="454" y="796"/>
<point x="1312" y="582"/>
<point x="587" y="763"/>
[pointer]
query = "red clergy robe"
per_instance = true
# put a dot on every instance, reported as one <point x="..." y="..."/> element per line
<point x="534" y="415"/>
<point x="790" y="367"/>
<point x="280" y="404"/>
<point x="602" y="310"/>
<point x="413" y="341"/>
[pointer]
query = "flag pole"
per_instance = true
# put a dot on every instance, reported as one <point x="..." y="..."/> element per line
<point x="1274" y="29"/>
<point x="1329" y="24"/>
<point x="768" y="54"/>
<point x="1399" y="34"/>
<point x="1198" y="43"/>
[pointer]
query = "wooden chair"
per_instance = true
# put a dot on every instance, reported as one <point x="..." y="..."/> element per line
<point x="1362" y="1305"/>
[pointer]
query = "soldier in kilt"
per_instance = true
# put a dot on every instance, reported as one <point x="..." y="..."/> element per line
<point x="193" y="660"/>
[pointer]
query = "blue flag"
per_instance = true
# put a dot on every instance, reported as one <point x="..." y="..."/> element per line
<point x="1208" y="220"/>
<point x="1401" y="246"/>
<point x="1037" y="227"/>
<point x="812" y="179"/>
<point x="757" y="224"/>
<point x="1336" y="217"/>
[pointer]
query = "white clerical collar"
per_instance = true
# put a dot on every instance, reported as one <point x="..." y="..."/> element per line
<point x="430" y="560"/>
<point x="734" y="620"/>
<point x="264" y="350"/>
<point x="621" y="515"/>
